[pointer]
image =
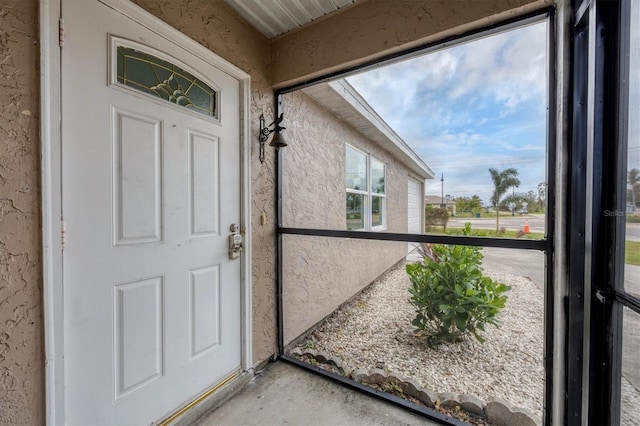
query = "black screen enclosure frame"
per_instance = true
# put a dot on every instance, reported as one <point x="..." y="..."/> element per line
<point x="609" y="27"/>
<point x="545" y="245"/>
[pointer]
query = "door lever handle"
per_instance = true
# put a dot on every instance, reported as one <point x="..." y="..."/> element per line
<point x="235" y="242"/>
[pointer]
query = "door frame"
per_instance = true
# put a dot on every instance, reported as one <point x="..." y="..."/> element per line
<point x="51" y="34"/>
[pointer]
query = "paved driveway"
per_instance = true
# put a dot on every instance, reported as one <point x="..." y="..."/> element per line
<point x="530" y="263"/>
<point x="631" y="331"/>
<point x="526" y="263"/>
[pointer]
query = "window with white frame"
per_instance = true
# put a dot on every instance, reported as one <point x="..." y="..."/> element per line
<point x="365" y="179"/>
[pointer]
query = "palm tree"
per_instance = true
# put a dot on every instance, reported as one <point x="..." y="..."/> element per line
<point x="633" y="180"/>
<point x="502" y="181"/>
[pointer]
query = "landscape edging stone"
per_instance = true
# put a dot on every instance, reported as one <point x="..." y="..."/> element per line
<point x="497" y="411"/>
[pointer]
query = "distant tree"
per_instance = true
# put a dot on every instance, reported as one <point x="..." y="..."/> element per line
<point x="519" y="198"/>
<point x="435" y="216"/>
<point x="542" y="194"/>
<point x="502" y="181"/>
<point x="633" y="179"/>
<point x="530" y="197"/>
<point x="466" y="204"/>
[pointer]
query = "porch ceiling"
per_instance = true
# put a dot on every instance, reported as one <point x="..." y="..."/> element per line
<point x="275" y="17"/>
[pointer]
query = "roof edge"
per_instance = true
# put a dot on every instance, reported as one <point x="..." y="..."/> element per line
<point x="351" y="95"/>
<point x="381" y="133"/>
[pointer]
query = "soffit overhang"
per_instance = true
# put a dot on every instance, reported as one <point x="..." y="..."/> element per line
<point x="346" y="103"/>
<point x="276" y="17"/>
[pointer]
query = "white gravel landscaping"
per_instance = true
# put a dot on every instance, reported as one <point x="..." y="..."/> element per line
<point x="374" y="331"/>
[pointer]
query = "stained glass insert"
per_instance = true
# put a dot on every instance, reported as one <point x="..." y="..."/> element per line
<point x="157" y="77"/>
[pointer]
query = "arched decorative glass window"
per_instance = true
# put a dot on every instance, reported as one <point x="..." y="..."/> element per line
<point x="158" y="77"/>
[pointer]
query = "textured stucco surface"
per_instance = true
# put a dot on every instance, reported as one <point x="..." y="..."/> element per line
<point x="374" y="28"/>
<point x="214" y="25"/>
<point x="21" y="327"/>
<point x="319" y="273"/>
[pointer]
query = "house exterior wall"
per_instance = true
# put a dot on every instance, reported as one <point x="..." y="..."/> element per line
<point x="21" y="326"/>
<point x="332" y="45"/>
<point x="322" y="273"/>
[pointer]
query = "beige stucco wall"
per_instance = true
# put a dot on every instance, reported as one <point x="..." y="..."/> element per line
<point x="21" y="335"/>
<point x="321" y="273"/>
<point x="324" y="46"/>
<point x="375" y="28"/>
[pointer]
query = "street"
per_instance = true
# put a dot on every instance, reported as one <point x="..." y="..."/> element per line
<point x="633" y="232"/>
<point x="515" y="223"/>
<point x="508" y="222"/>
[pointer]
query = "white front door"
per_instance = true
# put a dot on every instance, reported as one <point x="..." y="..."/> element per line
<point x="150" y="182"/>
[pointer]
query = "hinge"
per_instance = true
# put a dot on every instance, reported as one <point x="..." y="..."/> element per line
<point x="62" y="236"/>
<point x="61" y="32"/>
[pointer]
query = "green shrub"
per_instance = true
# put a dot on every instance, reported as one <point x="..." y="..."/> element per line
<point x="451" y="295"/>
<point x="435" y="216"/>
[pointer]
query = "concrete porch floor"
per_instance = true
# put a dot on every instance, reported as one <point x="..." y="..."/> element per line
<point x="286" y="394"/>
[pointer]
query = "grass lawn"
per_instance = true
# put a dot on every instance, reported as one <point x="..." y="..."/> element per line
<point x="487" y="233"/>
<point x="632" y="252"/>
<point x="631" y="248"/>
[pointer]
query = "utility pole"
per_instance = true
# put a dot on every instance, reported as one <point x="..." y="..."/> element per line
<point x="442" y="195"/>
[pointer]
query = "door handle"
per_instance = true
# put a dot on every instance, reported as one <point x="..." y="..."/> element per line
<point x="235" y="242"/>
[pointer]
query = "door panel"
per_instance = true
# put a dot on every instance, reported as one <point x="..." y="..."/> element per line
<point x="150" y="188"/>
<point x="138" y="331"/>
<point x="204" y="189"/>
<point x="204" y="308"/>
<point x="137" y="171"/>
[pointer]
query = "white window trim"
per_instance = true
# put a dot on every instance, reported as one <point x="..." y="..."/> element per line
<point x="372" y="194"/>
<point x="369" y="194"/>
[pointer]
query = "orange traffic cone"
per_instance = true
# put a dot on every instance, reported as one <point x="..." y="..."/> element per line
<point x="526" y="227"/>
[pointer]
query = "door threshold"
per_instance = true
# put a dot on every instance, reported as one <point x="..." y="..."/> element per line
<point x="208" y="400"/>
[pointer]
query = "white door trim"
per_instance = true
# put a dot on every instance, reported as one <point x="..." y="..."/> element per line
<point x="52" y="230"/>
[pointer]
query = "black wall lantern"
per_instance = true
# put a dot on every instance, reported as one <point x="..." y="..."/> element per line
<point x="277" y="141"/>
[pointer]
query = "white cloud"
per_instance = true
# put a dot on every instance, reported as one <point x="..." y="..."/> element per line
<point x="504" y="67"/>
<point x="462" y="109"/>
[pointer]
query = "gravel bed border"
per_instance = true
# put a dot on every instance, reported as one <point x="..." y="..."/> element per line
<point x="374" y="331"/>
<point x="496" y="411"/>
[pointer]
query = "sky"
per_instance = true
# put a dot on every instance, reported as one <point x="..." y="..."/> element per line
<point x="469" y="107"/>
